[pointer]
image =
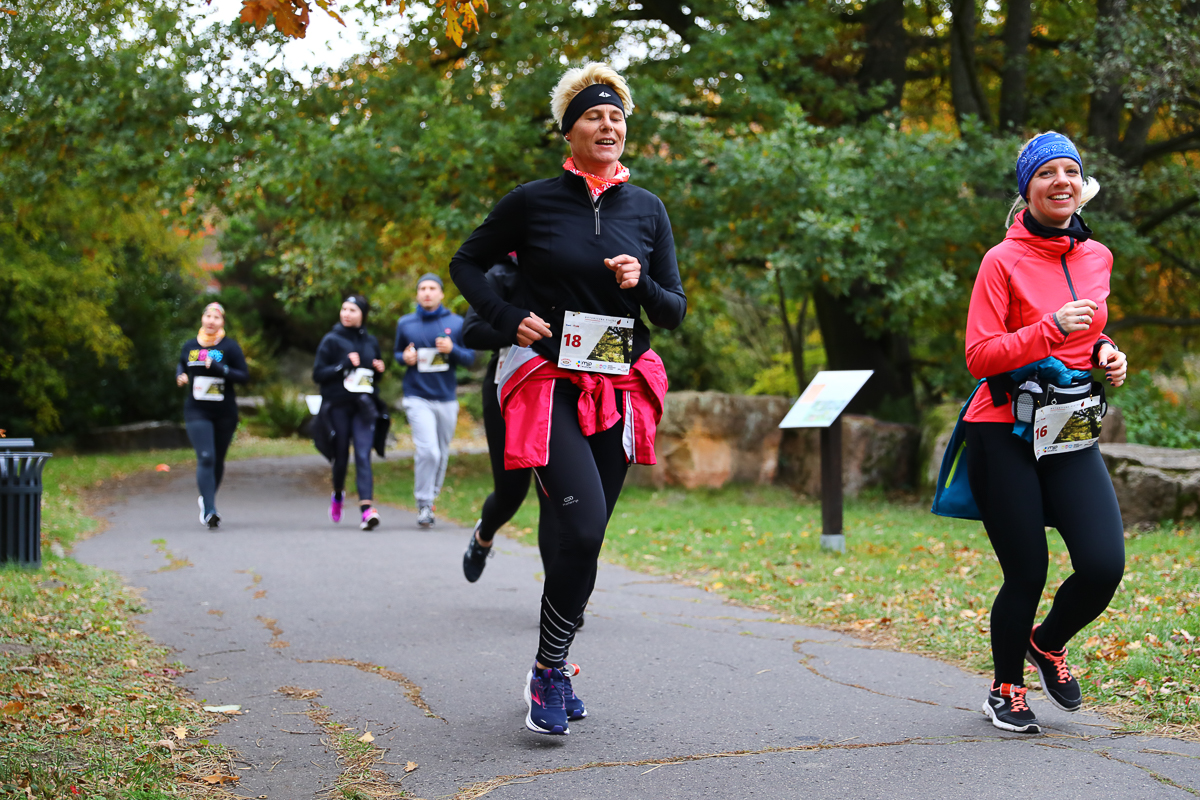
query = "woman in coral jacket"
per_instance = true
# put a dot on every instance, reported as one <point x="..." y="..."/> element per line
<point x="1040" y="294"/>
<point x="581" y="391"/>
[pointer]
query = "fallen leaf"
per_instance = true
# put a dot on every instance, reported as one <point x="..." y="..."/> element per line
<point x="223" y="709"/>
<point x="217" y="780"/>
<point x="410" y="766"/>
<point x="260" y="594"/>
<point x="180" y="732"/>
<point x="12" y="708"/>
<point x="366" y="737"/>
<point x="166" y="744"/>
<point x="162" y="468"/>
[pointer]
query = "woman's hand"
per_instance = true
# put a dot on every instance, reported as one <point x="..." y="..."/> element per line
<point x="1075" y="315"/>
<point x="627" y="268"/>
<point x="354" y="360"/>
<point x="181" y="379"/>
<point x="1114" y="363"/>
<point x="378" y="364"/>
<point x="531" y="329"/>
<point x="410" y="354"/>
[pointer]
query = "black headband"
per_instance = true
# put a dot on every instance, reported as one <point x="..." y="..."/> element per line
<point x="359" y="301"/>
<point x="597" y="94"/>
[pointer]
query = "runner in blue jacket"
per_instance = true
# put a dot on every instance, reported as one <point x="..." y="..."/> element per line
<point x="429" y="341"/>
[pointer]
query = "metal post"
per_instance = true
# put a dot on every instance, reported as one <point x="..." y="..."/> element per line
<point x="832" y="537"/>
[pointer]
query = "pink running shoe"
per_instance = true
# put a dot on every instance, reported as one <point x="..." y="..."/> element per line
<point x="335" y="508"/>
<point x="370" y="519"/>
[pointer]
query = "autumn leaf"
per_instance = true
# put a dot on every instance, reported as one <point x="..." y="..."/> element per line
<point x="11" y="709"/>
<point x="162" y="468"/>
<point x="217" y="780"/>
<point x="180" y="732"/>
<point x="410" y="766"/>
<point x="367" y="738"/>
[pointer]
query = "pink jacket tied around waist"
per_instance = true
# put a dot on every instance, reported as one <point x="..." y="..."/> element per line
<point x="527" y="398"/>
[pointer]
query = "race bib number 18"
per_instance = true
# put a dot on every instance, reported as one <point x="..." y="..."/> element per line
<point x="595" y="343"/>
<point x="1063" y="427"/>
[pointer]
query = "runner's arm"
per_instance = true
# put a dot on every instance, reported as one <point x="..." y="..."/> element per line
<point x="991" y="348"/>
<point x="659" y="290"/>
<point x="235" y="367"/>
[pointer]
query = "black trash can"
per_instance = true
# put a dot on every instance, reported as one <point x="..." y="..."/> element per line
<point x="21" y="503"/>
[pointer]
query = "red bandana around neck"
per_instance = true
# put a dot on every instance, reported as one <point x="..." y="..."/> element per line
<point x="596" y="184"/>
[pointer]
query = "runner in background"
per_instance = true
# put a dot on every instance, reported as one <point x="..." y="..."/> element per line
<point x="509" y="486"/>
<point x="1040" y="295"/>
<point x="347" y="364"/>
<point x="210" y="364"/>
<point x="581" y="390"/>
<point x="429" y="342"/>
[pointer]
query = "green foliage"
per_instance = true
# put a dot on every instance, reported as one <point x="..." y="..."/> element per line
<point x="94" y="280"/>
<point x="282" y="412"/>
<point x="777" y="379"/>
<point x="1155" y="417"/>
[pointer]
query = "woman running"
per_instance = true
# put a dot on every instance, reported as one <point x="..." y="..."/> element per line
<point x="1040" y="294"/>
<point x="580" y="390"/>
<point x="211" y="364"/>
<point x="347" y="364"/>
<point x="509" y="486"/>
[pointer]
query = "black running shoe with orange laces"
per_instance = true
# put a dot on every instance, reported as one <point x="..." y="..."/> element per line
<point x="1006" y="706"/>
<point x="1057" y="682"/>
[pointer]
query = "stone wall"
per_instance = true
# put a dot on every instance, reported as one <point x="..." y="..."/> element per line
<point x="711" y="438"/>
<point x="1154" y="483"/>
<point x="138" y="436"/>
<point x="875" y="454"/>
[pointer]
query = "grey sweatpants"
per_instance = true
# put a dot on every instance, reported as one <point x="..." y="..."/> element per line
<point x="432" y="423"/>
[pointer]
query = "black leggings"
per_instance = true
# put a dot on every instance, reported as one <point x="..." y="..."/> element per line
<point x="578" y="489"/>
<point x="509" y="486"/>
<point x="1018" y="496"/>
<point x="350" y="424"/>
<point x="210" y="438"/>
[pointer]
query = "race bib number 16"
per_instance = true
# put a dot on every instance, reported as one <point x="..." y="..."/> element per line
<point x="1064" y="427"/>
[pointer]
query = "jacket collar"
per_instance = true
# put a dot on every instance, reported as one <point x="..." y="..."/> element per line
<point x="1042" y="239"/>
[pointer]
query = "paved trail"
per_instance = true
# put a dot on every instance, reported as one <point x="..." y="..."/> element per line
<point x="282" y="597"/>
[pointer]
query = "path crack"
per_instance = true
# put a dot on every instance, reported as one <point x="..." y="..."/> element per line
<point x="477" y="790"/>
<point x="411" y="690"/>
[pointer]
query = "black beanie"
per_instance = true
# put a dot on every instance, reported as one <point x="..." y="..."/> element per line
<point x="362" y="304"/>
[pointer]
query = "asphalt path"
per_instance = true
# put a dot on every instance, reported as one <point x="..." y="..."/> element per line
<point x="688" y="696"/>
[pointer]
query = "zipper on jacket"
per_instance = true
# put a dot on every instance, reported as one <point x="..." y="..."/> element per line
<point x="595" y="205"/>
<point x="1066" y="272"/>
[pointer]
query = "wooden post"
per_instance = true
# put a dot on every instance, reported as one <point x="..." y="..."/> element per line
<point x="832" y="537"/>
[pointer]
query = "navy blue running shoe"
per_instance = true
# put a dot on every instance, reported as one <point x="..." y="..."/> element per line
<point x="544" y="696"/>
<point x="571" y="701"/>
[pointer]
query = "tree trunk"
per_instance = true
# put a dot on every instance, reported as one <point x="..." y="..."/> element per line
<point x="1104" y="110"/>
<point x="847" y="346"/>
<point x="887" y="51"/>
<point x="793" y="336"/>
<point x="1018" y="26"/>
<point x="965" y="91"/>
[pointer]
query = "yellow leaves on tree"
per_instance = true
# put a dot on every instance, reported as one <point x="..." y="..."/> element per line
<point x="291" y="17"/>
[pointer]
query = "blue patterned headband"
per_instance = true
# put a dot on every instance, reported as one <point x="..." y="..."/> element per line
<point x="1043" y="148"/>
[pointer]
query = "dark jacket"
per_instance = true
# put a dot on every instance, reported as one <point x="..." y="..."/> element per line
<point x="476" y="332"/>
<point x="332" y="363"/>
<point x="421" y="329"/>
<point x="561" y="239"/>
<point x="228" y="363"/>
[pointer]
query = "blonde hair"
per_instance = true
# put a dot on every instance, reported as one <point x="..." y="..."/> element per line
<point x="1091" y="187"/>
<point x="576" y="80"/>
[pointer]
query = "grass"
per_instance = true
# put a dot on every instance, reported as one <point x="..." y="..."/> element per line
<point x="88" y="705"/>
<point x="908" y="580"/>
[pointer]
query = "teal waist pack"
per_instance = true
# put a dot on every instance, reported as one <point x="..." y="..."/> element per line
<point x="952" y="496"/>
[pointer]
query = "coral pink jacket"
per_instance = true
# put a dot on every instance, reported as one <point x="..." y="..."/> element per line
<point x="1021" y="283"/>
<point x="526" y="400"/>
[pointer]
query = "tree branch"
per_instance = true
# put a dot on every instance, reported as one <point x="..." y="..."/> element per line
<point x="1152" y="221"/>
<point x="1138" y="320"/>
<point x="1180" y="144"/>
